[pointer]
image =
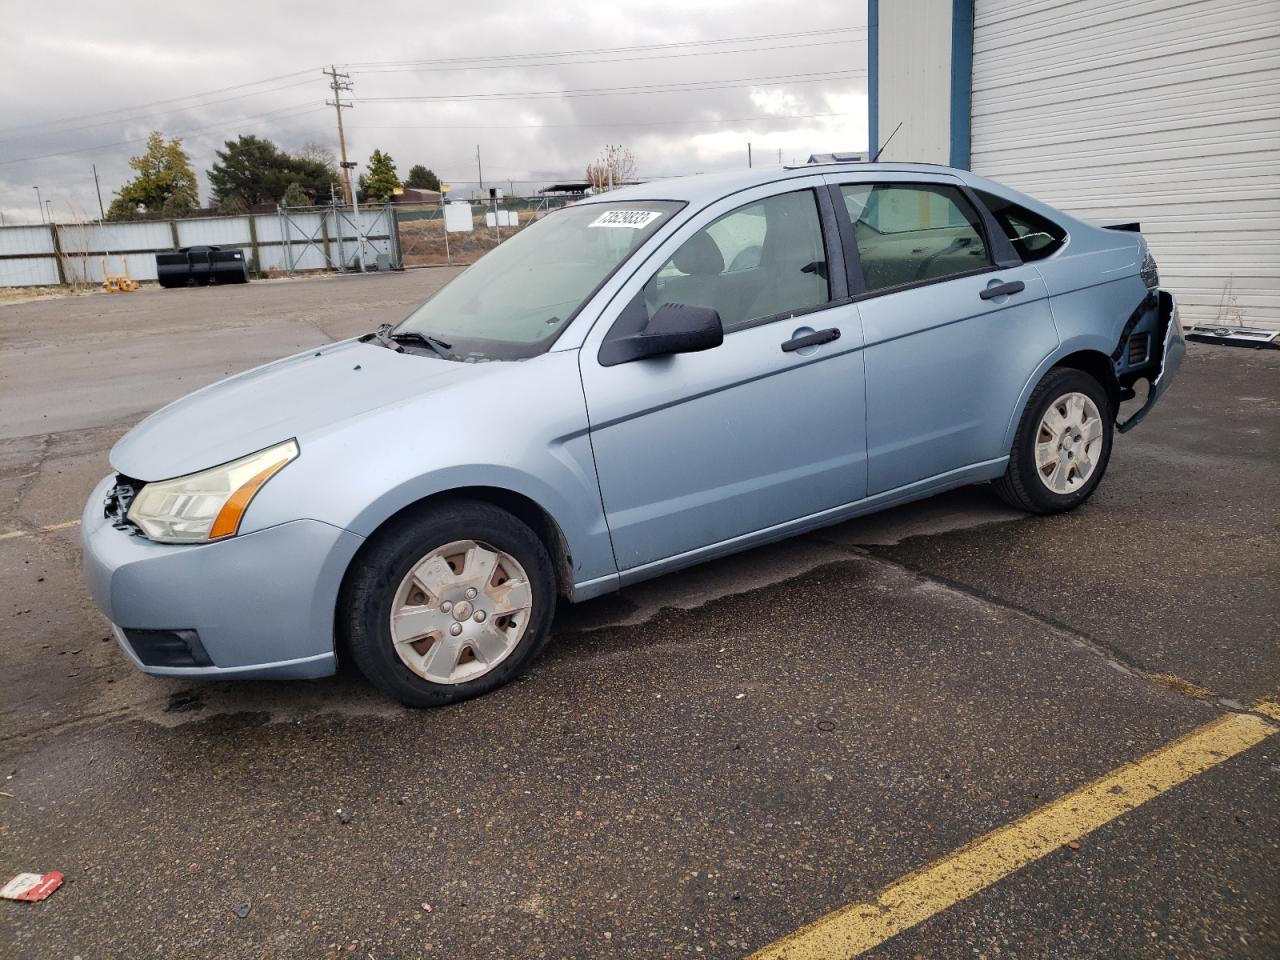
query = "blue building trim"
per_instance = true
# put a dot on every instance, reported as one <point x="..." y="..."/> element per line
<point x="873" y="77"/>
<point x="961" y="81"/>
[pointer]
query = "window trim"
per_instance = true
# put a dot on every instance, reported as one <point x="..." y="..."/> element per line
<point x="996" y="225"/>
<point x="828" y="224"/>
<point x="1003" y="256"/>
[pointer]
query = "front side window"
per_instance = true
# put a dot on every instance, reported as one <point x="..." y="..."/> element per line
<point x="759" y="261"/>
<point x="913" y="233"/>
<point x="1034" y="237"/>
<point x="514" y="301"/>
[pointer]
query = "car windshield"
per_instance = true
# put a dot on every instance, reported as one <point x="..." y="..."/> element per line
<point x="514" y="301"/>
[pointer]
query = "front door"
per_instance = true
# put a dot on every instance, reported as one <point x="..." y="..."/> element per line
<point x="703" y="449"/>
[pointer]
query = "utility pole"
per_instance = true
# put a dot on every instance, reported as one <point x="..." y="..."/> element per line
<point x="338" y="82"/>
<point x="102" y="214"/>
<point x="748" y="154"/>
<point x="479" y="170"/>
<point x="39" y="203"/>
<point x="355" y="209"/>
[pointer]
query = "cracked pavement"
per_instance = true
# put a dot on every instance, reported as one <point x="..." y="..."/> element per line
<point x="698" y="765"/>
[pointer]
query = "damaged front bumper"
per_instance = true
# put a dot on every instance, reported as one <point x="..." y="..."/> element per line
<point x="1151" y="349"/>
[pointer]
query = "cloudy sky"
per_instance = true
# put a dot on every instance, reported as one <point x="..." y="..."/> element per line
<point x="540" y="88"/>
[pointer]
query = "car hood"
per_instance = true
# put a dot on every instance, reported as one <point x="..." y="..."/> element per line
<point x="289" y="398"/>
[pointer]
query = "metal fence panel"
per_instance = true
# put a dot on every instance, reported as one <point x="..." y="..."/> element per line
<point x="23" y="241"/>
<point x="29" y="272"/>
<point x="140" y="266"/>
<point x="115" y="237"/>
<point x="214" y="232"/>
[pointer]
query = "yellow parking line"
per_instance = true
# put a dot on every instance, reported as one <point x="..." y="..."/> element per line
<point x="47" y="528"/>
<point x="856" y="928"/>
<point x="61" y="526"/>
<point x="1268" y="709"/>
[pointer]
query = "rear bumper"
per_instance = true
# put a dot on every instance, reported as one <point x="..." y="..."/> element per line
<point x="262" y="604"/>
<point x="1171" y="347"/>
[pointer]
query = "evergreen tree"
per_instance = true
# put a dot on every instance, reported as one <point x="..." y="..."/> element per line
<point x="294" y="196"/>
<point x="255" y="171"/>
<point x="422" y="178"/>
<point x="165" y="183"/>
<point x="378" y="185"/>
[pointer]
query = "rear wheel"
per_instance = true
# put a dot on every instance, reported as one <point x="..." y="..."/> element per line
<point x="1062" y="446"/>
<point x="451" y="603"/>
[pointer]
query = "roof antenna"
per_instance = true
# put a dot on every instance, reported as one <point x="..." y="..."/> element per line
<point x="886" y="143"/>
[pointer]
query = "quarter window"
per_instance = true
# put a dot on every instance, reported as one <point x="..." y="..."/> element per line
<point x="759" y="261"/>
<point x="913" y="233"/>
<point x="1034" y="237"/>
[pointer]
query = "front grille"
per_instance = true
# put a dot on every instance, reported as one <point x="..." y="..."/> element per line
<point x="167" y="648"/>
<point x="1139" y="346"/>
<point x="116" y="506"/>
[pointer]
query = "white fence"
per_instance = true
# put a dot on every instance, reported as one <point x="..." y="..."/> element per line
<point x="288" y="241"/>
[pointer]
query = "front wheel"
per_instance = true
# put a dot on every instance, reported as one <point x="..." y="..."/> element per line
<point x="1062" y="446"/>
<point x="448" y="604"/>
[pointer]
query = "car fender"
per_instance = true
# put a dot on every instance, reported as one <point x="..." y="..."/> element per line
<point x="1083" y="342"/>
<point x="524" y="432"/>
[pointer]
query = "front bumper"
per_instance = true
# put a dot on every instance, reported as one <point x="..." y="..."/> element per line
<point x="261" y="603"/>
<point x="1173" y="347"/>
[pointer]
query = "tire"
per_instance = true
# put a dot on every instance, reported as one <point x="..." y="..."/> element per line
<point x="1051" y="487"/>
<point x="432" y="544"/>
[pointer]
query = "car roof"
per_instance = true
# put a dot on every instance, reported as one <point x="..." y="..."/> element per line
<point x="705" y="188"/>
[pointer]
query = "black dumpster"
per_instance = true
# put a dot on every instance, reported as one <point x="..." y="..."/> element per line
<point x="200" y="266"/>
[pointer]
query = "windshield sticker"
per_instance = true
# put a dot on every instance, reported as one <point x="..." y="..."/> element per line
<point x="635" y="219"/>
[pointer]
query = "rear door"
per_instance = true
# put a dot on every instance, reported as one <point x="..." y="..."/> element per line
<point x="699" y="451"/>
<point x="954" y="322"/>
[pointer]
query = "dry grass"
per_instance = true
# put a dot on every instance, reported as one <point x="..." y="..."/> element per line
<point x="422" y="241"/>
<point x="1184" y="687"/>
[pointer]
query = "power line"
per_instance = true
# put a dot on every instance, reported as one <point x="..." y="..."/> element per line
<point x="624" y="123"/>
<point x="295" y="108"/>
<point x="627" y="49"/>
<point x="163" y="113"/>
<point x="156" y="103"/>
<point x="693" y="85"/>
<point x="568" y="63"/>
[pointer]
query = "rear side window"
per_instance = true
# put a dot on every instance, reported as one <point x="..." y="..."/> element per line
<point x="910" y="233"/>
<point x="1034" y="237"/>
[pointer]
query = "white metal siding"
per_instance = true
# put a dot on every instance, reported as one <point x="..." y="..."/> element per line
<point x="915" y="80"/>
<point x="1166" y="113"/>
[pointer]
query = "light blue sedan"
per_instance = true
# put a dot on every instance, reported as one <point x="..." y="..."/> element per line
<point x="648" y="379"/>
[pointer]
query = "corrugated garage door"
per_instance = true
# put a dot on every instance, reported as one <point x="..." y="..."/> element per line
<point x="1163" y="112"/>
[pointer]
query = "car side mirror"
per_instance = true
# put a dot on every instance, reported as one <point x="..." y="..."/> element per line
<point x="674" y="328"/>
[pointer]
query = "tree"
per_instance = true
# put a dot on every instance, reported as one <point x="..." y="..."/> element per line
<point x="422" y="178"/>
<point x="615" y="159"/>
<point x="294" y="196"/>
<point x="381" y="181"/>
<point x="319" y="153"/>
<point x="255" y="171"/>
<point x="248" y="169"/>
<point x="165" y="183"/>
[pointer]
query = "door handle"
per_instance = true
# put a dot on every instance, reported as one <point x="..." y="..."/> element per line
<point x="811" y="339"/>
<point x="1002" y="289"/>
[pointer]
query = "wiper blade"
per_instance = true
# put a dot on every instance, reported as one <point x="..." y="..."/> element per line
<point x="435" y="343"/>
<point x="382" y="336"/>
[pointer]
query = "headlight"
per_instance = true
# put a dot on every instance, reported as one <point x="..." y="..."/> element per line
<point x="207" y="505"/>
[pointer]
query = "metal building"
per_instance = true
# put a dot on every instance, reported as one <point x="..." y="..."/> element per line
<point x="1114" y="110"/>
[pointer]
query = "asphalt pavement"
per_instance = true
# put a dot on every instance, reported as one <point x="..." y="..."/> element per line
<point x="700" y="765"/>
